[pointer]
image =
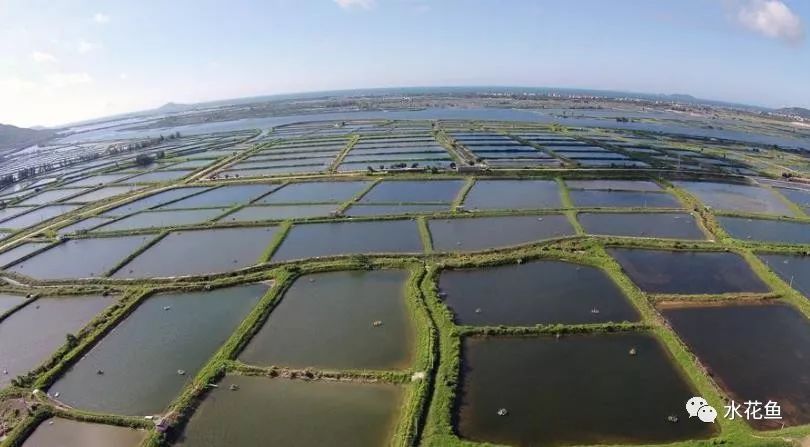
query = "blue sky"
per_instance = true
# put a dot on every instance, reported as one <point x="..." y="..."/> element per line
<point x="68" y="60"/>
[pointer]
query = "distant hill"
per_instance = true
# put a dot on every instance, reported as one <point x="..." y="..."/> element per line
<point x="13" y="137"/>
<point x="174" y="107"/>
<point x="794" y="111"/>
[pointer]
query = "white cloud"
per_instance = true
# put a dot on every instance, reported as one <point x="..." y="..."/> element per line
<point x="123" y="76"/>
<point x="362" y="4"/>
<point x="84" y="47"/>
<point x="59" y="80"/>
<point x="772" y="19"/>
<point x="42" y="57"/>
<point x="101" y="18"/>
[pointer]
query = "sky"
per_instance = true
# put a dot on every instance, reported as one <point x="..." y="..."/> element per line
<point x="64" y="61"/>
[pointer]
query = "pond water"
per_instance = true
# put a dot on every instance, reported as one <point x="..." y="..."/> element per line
<point x="541" y="292"/>
<point x="168" y="218"/>
<point x="658" y="225"/>
<point x="614" y="185"/>
<point x="158" y="176"/>
<point x="103" y="193"/>
<point x="303" y="414"/>
<point x="741" y="198"/>
<point x="315" y="192"/>
<point x="688" y="272"/>
<point x="380" y="210"/>
<point x="767" y="358"/>
<point x="98" y="256"/>
<point x="766" y="230"/>
<point x="153" y="201"/>
<point x="629" y="397"/>
<point x="29" y="336"/>
<point x="279" y="212"/>
<point x="8" y="302"/>
<point x="794" y="270"/>
<point x="13" y="211"/>
<point x="84" y="225"/>
<point x="96" y="180"/>
<point x="38" y="216"/>
<point x="513" y="194"/>
<point x="622" y="199"/>
<point x="326" y="321"/>
<point x="200" y="252"/>
<point x="9" y="256"/>
<point x="341" y="238"/>
<point x="480" y="233"/>
<point x="58" y="432"/>
<point x="434" y="191"/>
<point x="800" y="197"/>
<point x="141" y="357"/>
<point x="51" y="196"/>
<point x="224" y="196"/>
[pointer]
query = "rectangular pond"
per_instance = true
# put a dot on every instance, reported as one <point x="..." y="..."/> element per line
<point x="345" y="414"/>
<point x="141" y="357"/>
<point x="736" y="197"/>
<point x="58" y="432"/>
<point x="159" y="219"/>
<point x="580" y="389"/>
<point x="800" y="197"/>
<point x="622" y="199"/>
<point x="408" y="191"/>
<point x="280" y="212"/>
<point x="97" y="180"/>
<point x="98" y="256"/>
<point x="482" y="233"/>
<point x="200" y="252"/>
<point x="794" y="270"/>
<point x="688" y="272"/>
<point x="8" y="302"/>
<point x="158" y="176"/>
<point x="615" y="185"/>
<point x="84" y="225"/>
<point x="224" y="196"/>
<point x="153" y="200"/>
<point x="754" y="352"/>
<point x="326" y="321"/>
<point x="102" y="193"/>
<point x="382" y="210"/>
<point x="315" y="192"/>
<point x="513" y="194"/>
<point x="38" y="216"/>
<point x="51" y="196"/>
<point x="539" y="292"/>
<point x="22" y="250"/>
<point x="29" y="336"/>
<point x="764" y="230"/>
<point x="344" y="238"/>
<point x="654" y="225"/>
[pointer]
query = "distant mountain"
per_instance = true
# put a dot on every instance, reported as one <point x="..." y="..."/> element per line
<point x="170" y="107"/>
<point x="13" y="137"/>
<point x="794" y="111"/>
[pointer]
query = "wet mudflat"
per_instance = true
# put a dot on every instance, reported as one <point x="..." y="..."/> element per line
<point x="198" y="252"/>
<point x="622" y="199"/>
<point x="735" y="197"/>
<point x="341" y="238"/>
<point x="688" y="272"/>
<point x="98" y="255"/>
<point x="541" y="292"/>
<point x="29" y="336"/>
<point x="58" y="432"/>
<point x="765" y="230"/>
<point x="140" y="359"/>
<point x="581" y="389"/>
<point x="513" y="194"/>
<point x="794" y="270"/>
<point x="481" y="233"/>
<point x="305" y="414"/>
<point x="755" y="352"/>
<point x="656" y="225"/>
<point x="328" y="320"/>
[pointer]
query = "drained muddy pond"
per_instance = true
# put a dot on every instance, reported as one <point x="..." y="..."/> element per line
<point x="481" y="233"/>
<point x="58" y="432"/>
<point x="29" y="336"/>
<point x="342" y="238"/>
<point x="328" y="320"/>
<point x="754" y="351"/>
<point x="580" y="389"/>
<point x="199" y="252"/>
<point x="286" y="412"/>
<point x="688" y="272"/>
<point x="141" y="359"/>
<point x="541" y="292"/>
<point x="656" y="225"/>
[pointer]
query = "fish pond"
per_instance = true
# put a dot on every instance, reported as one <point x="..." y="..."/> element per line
<point x="737" y="197"/>
<point x="543" y="383"/>
<point x="315" y="192"/>
<point x="434" y="191"/>
<point x="622" y="199"/>
<point x="513" y="194"/>
<point x="655" y="225"/>
<point x="794" y="270"/>
<point x="140" y="366"/>
<point x="482" y="233"/>
<point x="766" y="230"/>
<point x="58" y="432"/>
<point x="540" y="292"/>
